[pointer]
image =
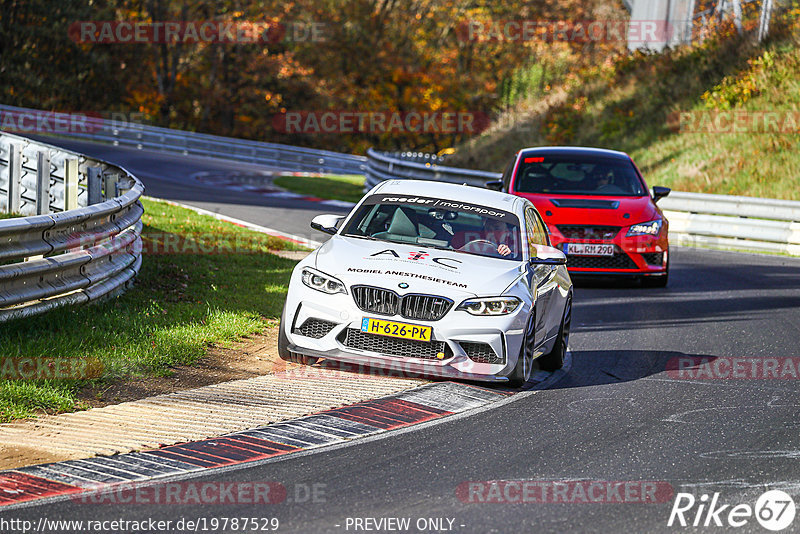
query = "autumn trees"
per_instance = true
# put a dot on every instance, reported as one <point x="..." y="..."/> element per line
<point x="380" y="56"/>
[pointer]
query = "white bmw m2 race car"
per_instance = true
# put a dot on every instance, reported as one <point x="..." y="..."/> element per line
<point x="450" y="281"/>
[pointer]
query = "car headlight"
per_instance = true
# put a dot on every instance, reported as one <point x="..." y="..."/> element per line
<point x="322" y="282"/>
<point x="648" y="228"/>
<point x="490" y="305"/>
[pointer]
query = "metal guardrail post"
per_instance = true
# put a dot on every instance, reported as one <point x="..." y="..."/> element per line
<point x="14" y="170"/>
<point x="42" y="183"/>
<point x="110" y="185"/>
<point x="70" y="257"/>
<point x="70" y="184"/>
<point x="94" y="185"/>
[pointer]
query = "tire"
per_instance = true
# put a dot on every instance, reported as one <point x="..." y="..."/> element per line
<point x="283" y="346"/>
<point x="522" y="370"/>
<point x="554" y="360"/>
<point x="657" y="281"/>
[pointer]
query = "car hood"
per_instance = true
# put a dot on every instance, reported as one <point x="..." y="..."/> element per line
<point x="431" y="271"/>
<point x="584" y="210"/>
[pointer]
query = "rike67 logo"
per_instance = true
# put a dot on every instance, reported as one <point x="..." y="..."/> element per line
<point x="774" y="510"/>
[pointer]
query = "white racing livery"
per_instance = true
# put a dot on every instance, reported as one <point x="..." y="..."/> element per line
<point x="452" y="281"/>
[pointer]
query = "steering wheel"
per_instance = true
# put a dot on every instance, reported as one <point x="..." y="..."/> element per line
<point x="560" y="184"/>
<point x="480" y="245"/>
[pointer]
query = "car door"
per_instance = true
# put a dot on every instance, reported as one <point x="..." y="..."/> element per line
<point x="555" y="310"/>
<point x="541" y="278"/>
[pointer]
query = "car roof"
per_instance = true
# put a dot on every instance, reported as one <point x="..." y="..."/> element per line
<point x="575" y="151"/>
<point x="447" y="191"/>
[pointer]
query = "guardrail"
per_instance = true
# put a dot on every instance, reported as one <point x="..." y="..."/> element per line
<point x="140" y="136"/>
<point x="736" y="222"/>
<point x="695" y="219"/>
<point x="81" y="240"/>
<point x="415" y="166"/>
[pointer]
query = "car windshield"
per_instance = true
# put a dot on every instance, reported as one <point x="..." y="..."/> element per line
<point x="578" y="175"/>
<point x="438" y="223"/>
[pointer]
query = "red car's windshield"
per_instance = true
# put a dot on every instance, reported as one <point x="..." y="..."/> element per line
<point x="567" y="175"/>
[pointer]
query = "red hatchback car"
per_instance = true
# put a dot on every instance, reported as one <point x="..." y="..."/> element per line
<point x="598" y="209"/>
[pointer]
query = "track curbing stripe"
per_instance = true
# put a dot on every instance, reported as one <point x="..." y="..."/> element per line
<point x="330" y="427"/>
<point x="21" y="487"/>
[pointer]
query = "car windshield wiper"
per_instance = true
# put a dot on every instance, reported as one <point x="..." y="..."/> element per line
<point x="421" y="245"/>
<point x="369" y="237"/>
<point x="437" y="247"/>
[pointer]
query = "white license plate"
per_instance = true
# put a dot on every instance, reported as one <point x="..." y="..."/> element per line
<point x="588" y="249"/>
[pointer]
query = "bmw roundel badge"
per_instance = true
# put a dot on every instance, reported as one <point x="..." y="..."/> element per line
<point x="402" y="285"/>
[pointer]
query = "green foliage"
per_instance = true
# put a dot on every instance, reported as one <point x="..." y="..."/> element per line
<point x="735" y="91"/>
<point x="373" y="55"/>
<point x="349" y="188"/>
<point x="180" y="304"/>
<point x="632" y="103"/>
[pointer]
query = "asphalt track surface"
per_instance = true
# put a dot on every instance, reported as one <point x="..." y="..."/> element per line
<point x="171" y="176"/>
<point x="616" y="416"/>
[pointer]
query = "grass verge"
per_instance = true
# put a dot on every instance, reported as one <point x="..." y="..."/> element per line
<point x="182" y="302"/>
<point x="347" y="187"/>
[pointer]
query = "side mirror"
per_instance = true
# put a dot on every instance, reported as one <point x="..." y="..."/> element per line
<point x="326" y="223"/>
<point x="548" y="256"/>
<point x="660" y="192"/>
<point x="494" y="185"/>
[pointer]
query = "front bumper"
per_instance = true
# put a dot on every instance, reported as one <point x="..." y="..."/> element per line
<point x="639" y="255"/>
<point x="455" y="332"/>
<point x="395" y="367"/>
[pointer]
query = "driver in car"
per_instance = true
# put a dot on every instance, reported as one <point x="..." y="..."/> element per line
<point x="600" y="178"/>
<point x="494" y="231"/>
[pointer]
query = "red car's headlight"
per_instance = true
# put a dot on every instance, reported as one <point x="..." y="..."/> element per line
<point x="647" y="228"/>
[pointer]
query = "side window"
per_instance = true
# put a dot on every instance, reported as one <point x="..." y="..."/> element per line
<point x="531" y="231"/>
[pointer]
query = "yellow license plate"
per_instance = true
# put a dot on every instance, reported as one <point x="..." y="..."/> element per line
<point x="393" y="329"/>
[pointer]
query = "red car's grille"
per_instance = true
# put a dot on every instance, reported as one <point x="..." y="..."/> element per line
<point x="653" y="258"/>
<point x="574" y="231"/>
<point x="619" y="260"/>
